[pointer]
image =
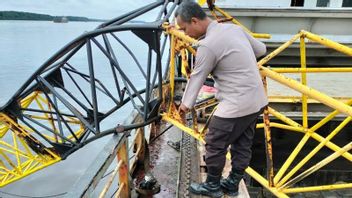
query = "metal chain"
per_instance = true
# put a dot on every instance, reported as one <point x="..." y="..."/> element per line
<point x="189" y="168"/>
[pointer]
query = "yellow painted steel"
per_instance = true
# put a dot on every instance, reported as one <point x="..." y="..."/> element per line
<point x="332" y="146"/>
<point x="184" y="68"/>
<point x="311" y="132"/>
<point x="265" y="183"/>
<point x="184" y="128"/>
<point x="18" y="158"/>
<point x="297" y="99"/>
<point x="282" y="126"/>
<point x="75" y="121"/>
<point x="314" y="151"/>
<point x="285" y="119"/>
<point x="314" y="135"/>
<point x="124" y="184"/>
<point x="111" y="179"/>
<point x="279" y="188"/>
<point x="292" y="156"/>
<point x="278" y="50"/>
<point x="3" y="129"/>
<point x="172" y="69"/>
<point x="304" y="82"/>
<point x="305" y="138"/>
<point x="226" y="15"/>
<point x="328" y="117"/>
<point x="138" y="147"/>
<point x="268" y="147"/>
<point x="309" y="95"/>
<point x="189" y="48"/>
<point x="319" y="165"/>
<point x="178" y="34"/>
<point x="317" y="188"/>
<point x="327" y="42"/>
<point x="268" y="141"/>
<point x="323" y="98"/>
<point x="201" y="2"/>
<point x="119" y="191"/>
<point x="24" y="103"/>
<point x="312" y="70"/>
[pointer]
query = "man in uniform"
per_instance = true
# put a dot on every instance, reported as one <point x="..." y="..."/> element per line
<point x="228" y="53"/>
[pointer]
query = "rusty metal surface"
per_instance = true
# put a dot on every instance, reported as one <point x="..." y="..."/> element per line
<point x="164" y="161"/>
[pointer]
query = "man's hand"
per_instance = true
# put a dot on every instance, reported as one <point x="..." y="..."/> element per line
<point x="182" y="110"/>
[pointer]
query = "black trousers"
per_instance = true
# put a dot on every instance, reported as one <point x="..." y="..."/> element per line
<point x="223" y="132"/>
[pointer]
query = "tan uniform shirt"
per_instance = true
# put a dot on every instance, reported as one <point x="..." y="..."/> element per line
<point x="229" y="54"/>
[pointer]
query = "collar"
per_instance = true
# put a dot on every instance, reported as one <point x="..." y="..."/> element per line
<point x="211" y="26"/>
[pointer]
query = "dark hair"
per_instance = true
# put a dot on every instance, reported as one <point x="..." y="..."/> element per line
<point x="188" y="9"/>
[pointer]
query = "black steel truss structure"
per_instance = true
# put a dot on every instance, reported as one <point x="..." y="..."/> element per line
<point x="86" y="82"/>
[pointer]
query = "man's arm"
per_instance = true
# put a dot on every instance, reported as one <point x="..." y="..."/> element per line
<point x="258" y="47"/>
<point x="205" y="63"/>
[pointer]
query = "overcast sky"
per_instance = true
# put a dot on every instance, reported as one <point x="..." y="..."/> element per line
<point x="101" y="9"/>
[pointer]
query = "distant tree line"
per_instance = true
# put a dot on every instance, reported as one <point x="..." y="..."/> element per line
<point x="14" y="15"/>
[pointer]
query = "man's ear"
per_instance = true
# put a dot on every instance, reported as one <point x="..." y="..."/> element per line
<point x="194" y="20"/>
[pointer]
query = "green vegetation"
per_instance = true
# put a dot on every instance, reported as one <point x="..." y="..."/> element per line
<point x="14" y="15"/>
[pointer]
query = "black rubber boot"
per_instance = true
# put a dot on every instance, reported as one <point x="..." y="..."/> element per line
<point x="211" y="187"/>
<point x="230" y="184"/>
